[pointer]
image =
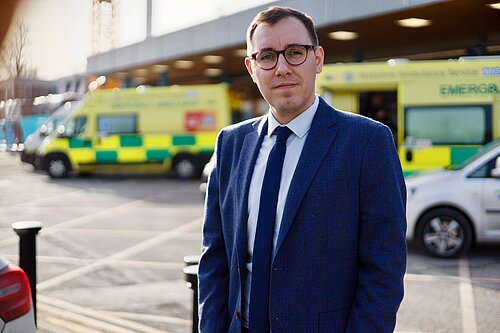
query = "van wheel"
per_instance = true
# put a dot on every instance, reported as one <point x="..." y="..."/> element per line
<point x="444" y="233"/>
<point x="37" y="162"/>
<point x="58" y="167"/>
<point x="185" y="166"/>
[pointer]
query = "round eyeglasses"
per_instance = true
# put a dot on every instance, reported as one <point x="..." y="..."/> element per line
<point x="295" y="55"/>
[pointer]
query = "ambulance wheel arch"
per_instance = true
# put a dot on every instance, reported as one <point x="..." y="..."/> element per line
<point x="57" y="165"/>
<point x="187" y="166"/>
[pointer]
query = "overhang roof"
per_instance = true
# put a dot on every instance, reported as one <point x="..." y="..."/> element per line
<point x="459" y="27"/>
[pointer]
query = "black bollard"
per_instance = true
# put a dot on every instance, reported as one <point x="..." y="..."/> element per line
<point x="191" y="278"/>
<point x="27" y="231"/>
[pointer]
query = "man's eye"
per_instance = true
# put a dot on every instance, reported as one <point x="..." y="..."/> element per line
<point x="266" y="56"/>
<point x="295" y="52"/>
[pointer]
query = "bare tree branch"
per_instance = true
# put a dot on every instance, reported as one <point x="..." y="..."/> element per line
<point x="13" y="56"/>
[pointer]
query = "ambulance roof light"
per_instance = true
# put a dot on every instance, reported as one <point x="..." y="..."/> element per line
<point x="479" y="58"/>
<point x="398" y="61"/>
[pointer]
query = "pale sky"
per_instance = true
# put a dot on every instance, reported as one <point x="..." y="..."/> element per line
<point x="60" y="31"/>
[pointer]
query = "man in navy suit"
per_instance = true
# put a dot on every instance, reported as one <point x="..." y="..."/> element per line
<point x="338" y="253"/>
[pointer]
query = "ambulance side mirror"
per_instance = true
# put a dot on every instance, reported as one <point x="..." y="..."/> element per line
<point x="43" y="130"/>
<point x="61" y="131"/>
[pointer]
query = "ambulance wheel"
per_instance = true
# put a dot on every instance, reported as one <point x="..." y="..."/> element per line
<point x="58" y="167"/>
<point x="185" y="166"/>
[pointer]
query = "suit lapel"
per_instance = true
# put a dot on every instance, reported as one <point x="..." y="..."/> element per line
<point x="319" y="140"/>
<point x="251" y="147"/>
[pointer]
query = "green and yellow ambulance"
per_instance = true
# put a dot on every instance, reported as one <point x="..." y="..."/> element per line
<point x="145" y="129"/>
<point x="440" y="112"/>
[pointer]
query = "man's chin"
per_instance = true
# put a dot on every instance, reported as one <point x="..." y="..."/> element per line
<point x="287" y="107"/>
<point x="284" y="99"/>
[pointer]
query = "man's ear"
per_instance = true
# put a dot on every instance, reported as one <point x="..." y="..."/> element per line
<point x="248" y="65"/>
<point x="320" y="58"/>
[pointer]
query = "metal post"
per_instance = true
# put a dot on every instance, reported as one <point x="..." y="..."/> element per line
<point x="191" y="278"/>
<point x="149" y="18"/>
<point x="191" y="260"/>
<point x="27" y="231"/>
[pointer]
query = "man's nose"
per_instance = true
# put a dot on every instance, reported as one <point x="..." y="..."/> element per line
<point x="282" y="66"/>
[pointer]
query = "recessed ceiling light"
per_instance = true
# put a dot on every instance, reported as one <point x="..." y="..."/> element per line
<point x="184" y="64"/>
<point x="159" y="68"/>
<point x="212" y="72"/>
<point x="140" y="79"/>
<point x="343" y="35"/>
<point x="120" y="75"/>
<point x="213" y="59"/>
<point x="414" y="22"/>
<point x="240" y="53"/>
<point x="494" y="5"/>
<point x="140" y="71"/>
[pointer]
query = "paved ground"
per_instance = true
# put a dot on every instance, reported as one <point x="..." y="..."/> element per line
<point x="110" y="258"/>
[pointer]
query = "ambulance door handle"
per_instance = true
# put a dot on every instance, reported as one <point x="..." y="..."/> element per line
<point x="409" y="155"/>
<point x="100" y="136"/>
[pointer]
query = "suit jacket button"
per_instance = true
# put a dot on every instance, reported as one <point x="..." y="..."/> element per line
<point x="237" y="315"/>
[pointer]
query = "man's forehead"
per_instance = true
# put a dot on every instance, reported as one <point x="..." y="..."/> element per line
<point x="284" y="32"/>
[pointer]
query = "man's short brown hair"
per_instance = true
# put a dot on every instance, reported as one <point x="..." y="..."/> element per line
<point x="274" y="14"/>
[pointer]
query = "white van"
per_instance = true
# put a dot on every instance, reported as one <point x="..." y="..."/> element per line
<point x="448" y="210"/>
<point x="34" y="140"/>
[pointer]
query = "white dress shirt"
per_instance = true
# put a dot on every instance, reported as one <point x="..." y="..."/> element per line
<point x="300" y="126"/>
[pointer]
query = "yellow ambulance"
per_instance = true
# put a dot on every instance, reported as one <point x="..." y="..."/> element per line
<point x="145" y="129"/>
<point x="440" y="112"/>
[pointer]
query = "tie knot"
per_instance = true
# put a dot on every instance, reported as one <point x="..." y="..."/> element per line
<point x="282" y="133"/>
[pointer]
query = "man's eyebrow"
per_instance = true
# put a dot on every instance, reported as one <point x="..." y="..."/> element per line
<point x="286" y="46"/>
<point x="266" y="49"/>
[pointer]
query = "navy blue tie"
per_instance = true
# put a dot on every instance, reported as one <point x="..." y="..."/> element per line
<point x="263" y="245"/>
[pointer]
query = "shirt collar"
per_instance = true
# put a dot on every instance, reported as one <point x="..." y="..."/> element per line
<point x="300" y="125"/>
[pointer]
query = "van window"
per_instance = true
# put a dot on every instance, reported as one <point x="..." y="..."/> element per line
<point x="117" y="124"/>
<point x="444" y="125"/>
<point x="52" y="124"/>
<point x="484" y="171"/>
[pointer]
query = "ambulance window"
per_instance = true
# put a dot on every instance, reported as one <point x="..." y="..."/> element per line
<point x="117" y="124"/>
<point x="53" y="124"/>
<point x="444" y="125"/>
<point x="75" y="126"/>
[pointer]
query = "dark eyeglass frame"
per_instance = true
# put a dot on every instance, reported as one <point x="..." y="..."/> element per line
<point x="253" y="56"/>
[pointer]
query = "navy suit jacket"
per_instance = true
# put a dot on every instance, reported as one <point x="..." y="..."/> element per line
<point x="341" y="251"/>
